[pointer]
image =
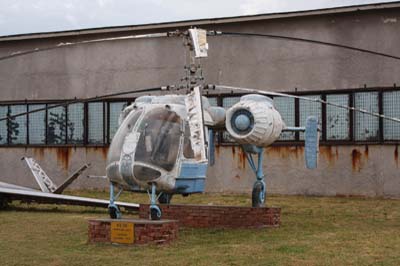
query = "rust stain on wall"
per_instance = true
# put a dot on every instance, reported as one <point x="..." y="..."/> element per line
<point x="278" y="151"/>
<point x="38" y="153"/>
<point x="63" y="156"/>
<point x="103" y="151"/>
<point x="337" y="153"/>
<point x="366" y="152"/>
<point x="396" y="155"/>
<point x="242" y="159"/>
<point x="233" y="151"/>
<point x="284" y="152"/>
<point x="299" y="151"/>
<point x="217" y="150"/>
<point x="356" y="160"/>
<point x="329" y="154"/>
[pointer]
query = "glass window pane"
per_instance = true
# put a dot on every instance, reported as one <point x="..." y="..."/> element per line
<point x="213" y="101"/>
<point x="56" y="125"/>
<point x="115" y="110"/>
<point x="308" y="108"/>
<point x="37" y="124"/>
<point x="3" y="124"/>
<point x="391" y="107"/>
<point x="75" y="123"/>
<point x="366" y="127"/>
<point x="285" y="107"/>
<point x="96" y="123"/>
<point x="337" y="119"/>
<point x="226" y="103"/>
<point x="17" y="125"/>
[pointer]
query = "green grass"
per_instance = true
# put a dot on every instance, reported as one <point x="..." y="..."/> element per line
<point x="314" y="231"/>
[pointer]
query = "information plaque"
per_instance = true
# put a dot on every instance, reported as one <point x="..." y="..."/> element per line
<point x="122" y="232"/>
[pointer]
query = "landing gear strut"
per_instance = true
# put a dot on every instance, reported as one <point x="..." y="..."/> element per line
<point x="259" y="188"/>
<point x="155" y="211"/>
<point x="113" y="209"/>
<point x="165" y="198"/>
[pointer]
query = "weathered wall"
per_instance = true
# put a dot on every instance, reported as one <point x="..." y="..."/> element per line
<point x="94" y="69"/>
<point x="368" y="170"/>
<point x="97" y="68"/>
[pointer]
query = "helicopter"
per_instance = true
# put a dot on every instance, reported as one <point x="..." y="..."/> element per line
<point x="164" y="144"/>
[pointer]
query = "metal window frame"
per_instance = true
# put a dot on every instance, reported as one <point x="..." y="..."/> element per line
<point x="219" y="96"/>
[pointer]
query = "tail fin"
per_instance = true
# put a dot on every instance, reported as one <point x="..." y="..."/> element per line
<point x="44" y="181"/>
<point x="311" y="142"/>
<point x="71" y="179"/>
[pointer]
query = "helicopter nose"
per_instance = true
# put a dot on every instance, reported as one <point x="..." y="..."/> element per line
<point x="242" y="122"/>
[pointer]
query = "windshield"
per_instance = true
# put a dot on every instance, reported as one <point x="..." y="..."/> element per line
<point x="160" y="132"/>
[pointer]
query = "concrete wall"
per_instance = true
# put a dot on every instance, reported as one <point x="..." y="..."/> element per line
<point x="94" y="69"/>
<point x="368" y="170"/>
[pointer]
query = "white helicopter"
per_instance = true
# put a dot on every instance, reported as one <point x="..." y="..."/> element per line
<point x="164" y="144"/>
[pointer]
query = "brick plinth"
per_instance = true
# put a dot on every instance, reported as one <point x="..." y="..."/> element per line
<point x="205" y="216"/>
<point x="145" y="231"/>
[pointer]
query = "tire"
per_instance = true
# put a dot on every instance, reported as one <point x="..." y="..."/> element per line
<point x="155" y="214"/>
<point x="256" y="197"/>
<point x="113" y="211"/>
<point x="165" y="198"/>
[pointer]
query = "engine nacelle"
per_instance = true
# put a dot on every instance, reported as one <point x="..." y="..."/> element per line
<point x="254" y="120"/>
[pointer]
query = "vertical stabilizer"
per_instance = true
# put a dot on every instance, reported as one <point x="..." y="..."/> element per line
<point x="44" y="182"/>
<point x="311" y="142"/>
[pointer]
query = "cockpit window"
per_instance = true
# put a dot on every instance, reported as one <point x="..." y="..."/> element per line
<point x="160" y="132"/>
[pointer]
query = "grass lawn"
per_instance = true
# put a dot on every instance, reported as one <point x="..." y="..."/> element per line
<point x="314" y="231"/>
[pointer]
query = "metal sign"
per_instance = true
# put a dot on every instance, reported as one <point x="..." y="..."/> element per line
<point x="122" y="232"/>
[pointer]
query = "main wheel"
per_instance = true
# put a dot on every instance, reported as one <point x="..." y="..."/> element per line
<point x="165" y="198"/>
<point x="258" y="194"/>
<point x="114" y="212"/>
<point x="155" y="213"/>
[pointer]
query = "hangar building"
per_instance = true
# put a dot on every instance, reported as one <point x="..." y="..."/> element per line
<point x="358" y="155"/>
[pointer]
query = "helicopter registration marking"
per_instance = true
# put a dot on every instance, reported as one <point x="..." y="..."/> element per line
<point x="122" y="232"/>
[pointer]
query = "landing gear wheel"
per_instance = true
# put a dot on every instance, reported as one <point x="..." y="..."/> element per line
<point x="114" y="212"/>
<point x="258" y="194"/>
<point x="155" y="213"/>
<point x="165" y="198"/>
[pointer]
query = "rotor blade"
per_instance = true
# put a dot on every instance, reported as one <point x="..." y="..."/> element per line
<point x="296" y="39"/>
<point x="272" y="93"/>
<point x="67" y="44"/>
<point x="91" y="99"/>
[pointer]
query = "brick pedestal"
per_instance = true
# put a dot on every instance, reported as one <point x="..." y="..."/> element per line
<point x="205" y="216"/>
<point x="132" y="231"/>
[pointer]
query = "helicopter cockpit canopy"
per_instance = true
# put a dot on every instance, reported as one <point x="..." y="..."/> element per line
<point x="158" y="144"/>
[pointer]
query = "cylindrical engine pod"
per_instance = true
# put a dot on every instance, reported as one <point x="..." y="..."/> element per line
<point x="254" y="120"/>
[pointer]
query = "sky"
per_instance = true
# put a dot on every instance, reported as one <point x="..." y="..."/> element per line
<point x="30" y="16"/>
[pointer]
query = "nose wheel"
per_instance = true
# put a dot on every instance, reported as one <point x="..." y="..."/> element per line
<point x="259" y="188"/>
<point x="258" y="194"/>
<point x="113" y="209"/>
<point x="155" y="211"/>
<point x="114" y="212"/>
